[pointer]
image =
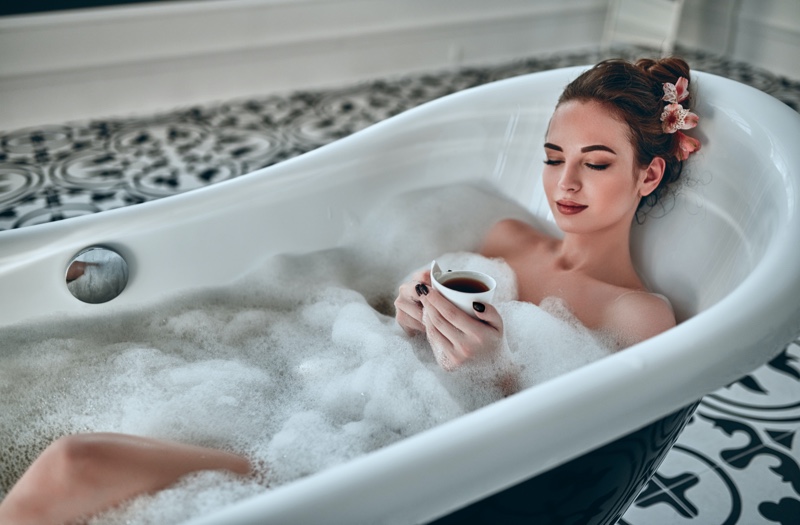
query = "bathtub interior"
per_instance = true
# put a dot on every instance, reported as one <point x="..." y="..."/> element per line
<point x="491" y="135"/>
<point x="733" y="205"/>
<point x="723" y="236"/>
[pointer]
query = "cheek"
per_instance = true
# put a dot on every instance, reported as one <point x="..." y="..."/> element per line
<point x="627" y="195"/>
<point x="620" y="190"/>
<point x="549" y="181"/>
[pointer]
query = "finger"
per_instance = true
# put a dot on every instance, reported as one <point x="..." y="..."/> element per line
<point x="408" y="314"/>
<point x="410" y="304"/>
<point x="441" y="325"/>
<point x="440" y="314"/>
<point x="421" y="276"/>
<point x="487" y="313"/>
<point x="407" y="291"/>
<point x="410" y="325"/>
<point x="462" y="321"/>
<point x="442" y="349"/>
<point x="425" y="277"/>
<point x="405" y="306"/>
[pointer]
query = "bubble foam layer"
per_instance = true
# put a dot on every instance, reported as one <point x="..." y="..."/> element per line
<point x="299" y="365"/>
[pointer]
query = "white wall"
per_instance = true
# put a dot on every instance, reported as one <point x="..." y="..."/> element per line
<point x="765" y="33"/>
<point x="768" y="34"/>
<point x="148" y="57"/>
<point x="143" y="58"/>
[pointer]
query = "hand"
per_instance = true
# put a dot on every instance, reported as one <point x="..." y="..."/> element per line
<point x="457" y="337"/>
<point x="408" y="306"/>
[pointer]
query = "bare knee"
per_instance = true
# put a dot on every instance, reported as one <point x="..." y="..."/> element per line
<point x="73" y="459"/>
<point x="70" y="452"/>
<point x="39" y="494"/>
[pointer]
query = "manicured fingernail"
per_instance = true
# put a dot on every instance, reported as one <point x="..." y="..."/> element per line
<point x="421" y="289"/>
<point x="479" y="307"/>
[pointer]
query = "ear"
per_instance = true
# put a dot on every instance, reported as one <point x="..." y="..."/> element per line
<point x="650" y="177"/>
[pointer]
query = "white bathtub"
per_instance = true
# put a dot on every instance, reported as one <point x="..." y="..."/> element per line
<point x="727" y="254"/>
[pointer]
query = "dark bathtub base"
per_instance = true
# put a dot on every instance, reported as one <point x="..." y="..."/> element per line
<point x="596" y="488"/>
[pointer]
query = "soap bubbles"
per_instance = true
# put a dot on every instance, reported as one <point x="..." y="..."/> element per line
<point x="299" y="365"/>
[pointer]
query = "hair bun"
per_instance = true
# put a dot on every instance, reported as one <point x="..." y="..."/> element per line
<point x="662" y="70"/>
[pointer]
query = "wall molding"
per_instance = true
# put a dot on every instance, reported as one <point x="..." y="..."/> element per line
<point x="135" y="59"/>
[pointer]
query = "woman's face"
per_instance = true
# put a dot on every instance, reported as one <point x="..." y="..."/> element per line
<point x="590" y="176"/>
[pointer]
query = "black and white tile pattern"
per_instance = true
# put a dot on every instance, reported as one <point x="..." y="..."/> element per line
<point x="738" y="460"/>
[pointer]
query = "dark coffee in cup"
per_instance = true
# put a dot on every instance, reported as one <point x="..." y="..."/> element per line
<point x="463" y="288"/>
<point x="466" y="285"/>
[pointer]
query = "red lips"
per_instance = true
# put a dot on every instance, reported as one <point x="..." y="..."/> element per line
<point x="567" y="207"/>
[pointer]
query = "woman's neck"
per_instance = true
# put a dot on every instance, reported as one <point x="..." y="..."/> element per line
<point x="604" y="256"/>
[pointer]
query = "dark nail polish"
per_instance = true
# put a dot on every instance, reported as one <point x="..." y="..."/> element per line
<point x="479" y="307"/>
<point x="421" y="289"/>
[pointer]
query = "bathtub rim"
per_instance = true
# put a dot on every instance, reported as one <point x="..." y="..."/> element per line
<point x="279" y="174"/>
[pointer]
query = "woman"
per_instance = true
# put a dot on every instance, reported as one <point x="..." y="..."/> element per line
<point x="613" y="145"/>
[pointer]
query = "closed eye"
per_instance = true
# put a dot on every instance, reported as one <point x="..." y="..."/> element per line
<point x="597" y="167"/>
<point x="551" y="162"/>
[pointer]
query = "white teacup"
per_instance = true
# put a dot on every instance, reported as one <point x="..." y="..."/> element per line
<point x="463" y="287"/>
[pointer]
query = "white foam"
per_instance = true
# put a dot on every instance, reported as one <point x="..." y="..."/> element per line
<point x="299" y="366"/>
<point x="548" y="341"/>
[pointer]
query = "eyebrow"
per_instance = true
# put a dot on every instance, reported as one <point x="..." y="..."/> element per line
<point x="585" y="149"/>
<point x="597" y="147"/>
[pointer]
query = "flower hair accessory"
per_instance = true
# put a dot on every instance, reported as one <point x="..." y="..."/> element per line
<point x="674" y="118"/>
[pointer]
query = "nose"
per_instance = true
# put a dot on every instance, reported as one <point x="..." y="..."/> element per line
<point x="569" y="180"/>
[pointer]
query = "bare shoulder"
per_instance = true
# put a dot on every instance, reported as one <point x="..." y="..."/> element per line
<point x="638" y="315"/>
<point x="508" y="235"/>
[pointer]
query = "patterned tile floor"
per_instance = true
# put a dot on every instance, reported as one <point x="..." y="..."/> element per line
<point x="738" y="460"/>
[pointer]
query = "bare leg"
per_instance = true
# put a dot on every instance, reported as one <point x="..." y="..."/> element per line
<point x="80" y="475"/>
